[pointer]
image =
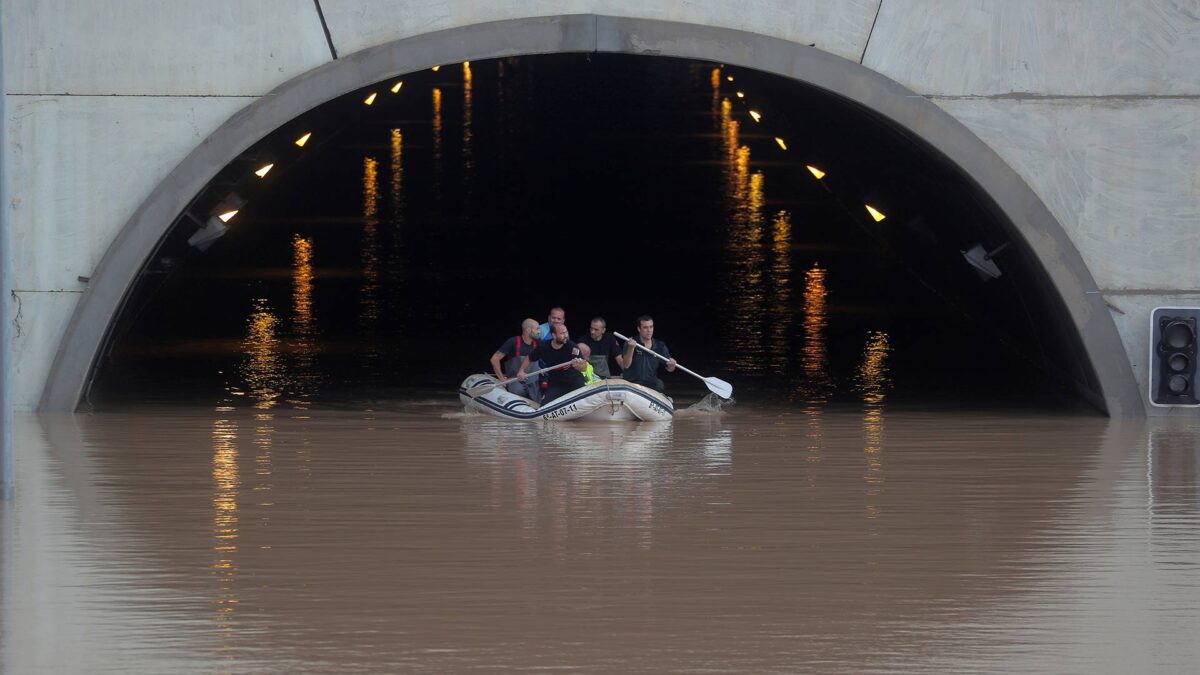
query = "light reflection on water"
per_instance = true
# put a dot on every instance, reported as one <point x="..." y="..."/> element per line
<point x="414" y="537"/>
<point x="369" y="296"/>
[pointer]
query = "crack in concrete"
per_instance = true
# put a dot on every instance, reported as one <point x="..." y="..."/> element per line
<point x="16" y="315"/>
<point x="863" y="56"/>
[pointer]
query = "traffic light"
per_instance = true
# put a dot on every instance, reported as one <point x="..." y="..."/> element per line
<point x="1173" y="351"/>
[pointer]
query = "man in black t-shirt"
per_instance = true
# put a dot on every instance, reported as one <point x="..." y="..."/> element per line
<point x="560" y="349"/>
<point x="603" y="345"/>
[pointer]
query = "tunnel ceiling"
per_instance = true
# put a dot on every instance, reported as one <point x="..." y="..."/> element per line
<point x="391" y="236"/>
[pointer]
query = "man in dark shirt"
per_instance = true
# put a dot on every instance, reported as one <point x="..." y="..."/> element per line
<point x="603" y="345"/>
<point x="641" y="368"/>
<point x="513" y="353"/>
<point x="560" y="349"/>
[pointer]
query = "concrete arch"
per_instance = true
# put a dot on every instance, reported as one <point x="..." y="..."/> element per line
<point x="99" y="306"/>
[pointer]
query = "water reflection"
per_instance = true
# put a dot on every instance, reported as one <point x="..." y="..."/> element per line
<point x="395" y="252"/>
<point x="573" y="480"/>
<point x="262" y="368"/>
<point x="872" y="382"/>
<point x="437" y="135"/>
<point x="816" y="385"/>
<point x="745" y="251"/>
<point x="226" y="482"/>
<point x="468" y="111"/>
<point x="369" y="298"/>
<point x="781" y="297"/>
<point x="304" y="333"/>
<point x="1173" y="481"/>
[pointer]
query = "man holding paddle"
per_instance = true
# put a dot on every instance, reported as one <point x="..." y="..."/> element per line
<point x="641" y="368"/>
<point x="560" y="350"/>
<point x="512" y="353"/>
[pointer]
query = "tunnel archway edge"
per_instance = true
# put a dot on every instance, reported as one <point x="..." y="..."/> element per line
<point x="117" y="271"/>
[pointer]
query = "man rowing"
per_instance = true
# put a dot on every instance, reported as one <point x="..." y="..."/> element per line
<point x="559" y="350"/>
<point x="641" y="368"/>
<point x="513" y="353"/>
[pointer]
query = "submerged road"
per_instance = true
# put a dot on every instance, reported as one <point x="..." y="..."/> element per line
<point x="160" y="538"/>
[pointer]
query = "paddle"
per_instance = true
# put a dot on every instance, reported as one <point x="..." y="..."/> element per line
<point x="715" y="385"/>
<point x="480" y="389"/>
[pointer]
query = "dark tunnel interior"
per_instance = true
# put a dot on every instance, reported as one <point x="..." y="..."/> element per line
<point x="393" y="252"/>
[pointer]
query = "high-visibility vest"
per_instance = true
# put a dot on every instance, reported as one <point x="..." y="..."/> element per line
<point x="589" y="375"/>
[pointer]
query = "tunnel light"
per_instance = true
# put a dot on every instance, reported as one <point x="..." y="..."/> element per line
<point x="263" y="171"/>
<point x="466" y="64"/>
<point x="303" y="139"/>
<point x="436" y="68"/>
<point x="228" y="207"/>
<point x="817" y="173"/>
<point x="396" y="87"/>
<point x="729" y="78"/>
<point x="875" y="213"/>
<point x="782" y="145"/>
<point x="741" y="94"/>
<point x="370" y="99"/>
<point x="757" y="117"/>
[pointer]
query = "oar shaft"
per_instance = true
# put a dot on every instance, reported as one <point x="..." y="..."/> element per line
<point x="717" y="386"/>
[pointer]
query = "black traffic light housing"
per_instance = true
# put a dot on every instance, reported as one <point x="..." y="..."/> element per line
<point x="1173" y="356"/>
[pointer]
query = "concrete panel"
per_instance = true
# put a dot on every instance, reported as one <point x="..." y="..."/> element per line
<point x="1132" y="315"/>
<point x="837" y="27"/>
<point x="1120" y="175"/>
<point x="38" y="323"/>
<point x="151" y="47"/>
<point x="86" y="163"/>
<point x="1063" y="47"/>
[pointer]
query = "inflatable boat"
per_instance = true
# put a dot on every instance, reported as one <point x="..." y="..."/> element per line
<point x="611" y="399"/>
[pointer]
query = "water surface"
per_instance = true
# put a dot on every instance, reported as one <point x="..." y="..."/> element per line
<point x="406" y="535"/>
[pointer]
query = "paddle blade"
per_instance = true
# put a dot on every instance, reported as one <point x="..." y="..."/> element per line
<point x="481" y="389"/>
<point x="719" y="387"/>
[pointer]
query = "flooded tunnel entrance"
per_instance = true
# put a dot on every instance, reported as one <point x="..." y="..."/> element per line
<point x="784" y="239"/>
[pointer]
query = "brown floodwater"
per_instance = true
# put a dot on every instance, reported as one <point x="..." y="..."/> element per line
<point x="414" y="537"/>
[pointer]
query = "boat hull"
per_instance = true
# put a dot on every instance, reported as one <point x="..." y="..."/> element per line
<point x="611" y="399"/>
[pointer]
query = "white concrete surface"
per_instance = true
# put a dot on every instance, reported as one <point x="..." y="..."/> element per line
<point x="1048" y="47"/>
<point x="837" y="27"/>
<point x="1094" y="103"/>
<point x="38" y="321"/>
<point x="1119" y="175"/>
<point x="89" y="161"/>
<point x="159" y="47"/>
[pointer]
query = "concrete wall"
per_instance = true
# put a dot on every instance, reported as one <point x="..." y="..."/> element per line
<point x="1094" y="103"/>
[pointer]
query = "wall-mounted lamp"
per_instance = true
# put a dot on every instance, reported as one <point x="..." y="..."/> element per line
<point x="981" y="260"/>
